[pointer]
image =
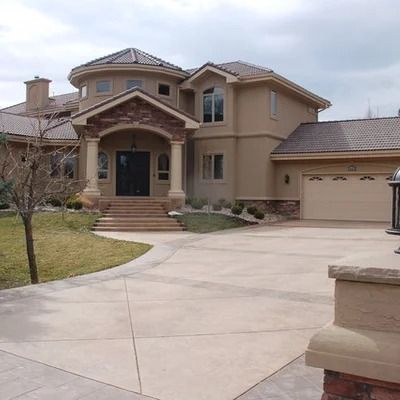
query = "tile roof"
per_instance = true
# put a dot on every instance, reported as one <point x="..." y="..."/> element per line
<point x="237" y="68"/>
<point x="19" y="125"/>
<point x="54" y="102"/>
<point x="343" y="136"/>
<point x="131" y="56"/>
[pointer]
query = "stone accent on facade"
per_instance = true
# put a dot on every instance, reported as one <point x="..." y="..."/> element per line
<point x="340" y="386"/>
<point x="287" y="208"/>
<point x="137" y="112"/>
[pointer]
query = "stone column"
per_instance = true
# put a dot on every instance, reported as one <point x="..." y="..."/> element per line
<point x="360" y="350"/>
<point x="92" y="150"/>
<point x="176" y="193"/>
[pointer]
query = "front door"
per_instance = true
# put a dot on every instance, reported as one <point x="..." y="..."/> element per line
<point x="133" y="173"/>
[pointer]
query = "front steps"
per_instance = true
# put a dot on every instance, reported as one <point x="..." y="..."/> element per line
<point x="136" y="215"/>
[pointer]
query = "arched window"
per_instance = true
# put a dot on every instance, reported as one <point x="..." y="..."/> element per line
<point x="213" y="105"/>
<point x="163" y="167"/>
<point x="102" y="163"/>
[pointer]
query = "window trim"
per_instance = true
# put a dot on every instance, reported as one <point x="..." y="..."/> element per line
<point x="108" y="179"/>
<point x="61" y="164"/>
<point x="140" y="80"/>
<point x="162" y="181"/>
<point x="213" y="122"/>
<point x="166" y="84"/>
<point x="80" y="91"/>
<point x="104" y="93"/>
<point x="212" y="179"/>
<point x="274" y="111"/>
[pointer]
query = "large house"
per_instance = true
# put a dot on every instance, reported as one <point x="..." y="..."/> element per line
<point x="235" y="130"/>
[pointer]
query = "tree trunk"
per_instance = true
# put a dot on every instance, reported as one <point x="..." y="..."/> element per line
<point x="30" y="249"/>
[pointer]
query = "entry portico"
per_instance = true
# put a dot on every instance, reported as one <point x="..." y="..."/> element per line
<point x="133" y="144"/>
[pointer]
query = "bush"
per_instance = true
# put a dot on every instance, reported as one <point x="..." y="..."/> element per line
<point x="236" y="210"/>
<point x="54" y="201"/>
<point x="217" y="207"/>
<point x="74" y="203"/>
<point x="188" y="201"/>
<point x="4" y="206"/>
<point x="252" y="210"/>
<point x="197" y="204"/>
<point x="228" y="204"/>
<point x="259" y="215"/>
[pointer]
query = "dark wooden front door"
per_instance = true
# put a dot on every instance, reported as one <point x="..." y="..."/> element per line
<point x="133" y="173"/>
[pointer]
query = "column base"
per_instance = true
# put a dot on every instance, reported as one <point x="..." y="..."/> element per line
<point x="91" y="192"/>
<point x="177" y="198"/>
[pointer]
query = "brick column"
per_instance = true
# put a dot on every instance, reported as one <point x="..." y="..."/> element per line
<point x="176" y="193"/>
<point x="360" y="350"/>
<point x="92" y="151"/>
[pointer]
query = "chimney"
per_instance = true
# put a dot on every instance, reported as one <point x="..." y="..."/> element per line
<point x="37" y="93"/>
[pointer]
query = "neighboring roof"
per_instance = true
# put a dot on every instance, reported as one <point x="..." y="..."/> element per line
<point x="54" y="102"/>
<point x="237" y="68"/>
<point x="141" y="93"/>
<point x="130" y="56"/>
<point x="343" y="136"/>
<point x="19" y="125"/>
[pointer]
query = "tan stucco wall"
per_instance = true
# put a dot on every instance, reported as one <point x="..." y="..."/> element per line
<point x="144" y="141"/>
<point x="118" y="85"/>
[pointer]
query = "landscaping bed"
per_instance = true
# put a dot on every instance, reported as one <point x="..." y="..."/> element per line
<point x="64" y="246"/>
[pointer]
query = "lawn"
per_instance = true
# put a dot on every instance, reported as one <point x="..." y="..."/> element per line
<point x="204" y="223"/>
<point x="64" y="247"/>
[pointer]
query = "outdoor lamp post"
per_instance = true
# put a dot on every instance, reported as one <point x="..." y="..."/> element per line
<point x="395" y="184"/>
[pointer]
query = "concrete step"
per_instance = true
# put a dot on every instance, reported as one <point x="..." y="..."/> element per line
<point x="137" y="223"/>
<point x="135" y="208"/>
<point x="128" y="219"/>
<point x="133" y="214"/>
<point x="139" y="229"/>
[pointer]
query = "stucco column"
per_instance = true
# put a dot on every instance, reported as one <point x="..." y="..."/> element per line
<point x="92" y="150"/>
<point x="360" y="350"/>
<point x="176" y="193"/>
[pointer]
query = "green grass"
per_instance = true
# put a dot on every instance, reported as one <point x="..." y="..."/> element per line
<point x="64" y="247"/>
<point x="204" y="223"/>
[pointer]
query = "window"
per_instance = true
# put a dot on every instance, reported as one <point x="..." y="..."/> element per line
<point x="103" y="86"/>
<point x="274" y="103"/>
<point x="163" y="89"/>
<point x="62" y="163"/>
<point x="213" y="105"/>
<point x="131" y="83"/>
<point x="102" y="164"/>
<point x="213" y="167"/>
<point x="163" y="167"/>
<point x="83" y="91"/>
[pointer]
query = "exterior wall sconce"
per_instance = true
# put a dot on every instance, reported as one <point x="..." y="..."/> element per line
<point x="287" y="179"/>
<point x="133" y="145"/>
<point x="395" y="184"/>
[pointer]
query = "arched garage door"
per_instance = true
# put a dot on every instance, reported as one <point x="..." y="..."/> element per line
<point x="352" y="197"/>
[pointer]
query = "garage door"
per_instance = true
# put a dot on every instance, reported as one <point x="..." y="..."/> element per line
<point x="347" y="197"/>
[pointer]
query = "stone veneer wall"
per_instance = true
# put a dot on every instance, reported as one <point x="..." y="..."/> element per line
<point x="340" y="386"/>
<point x="287" y="208"/>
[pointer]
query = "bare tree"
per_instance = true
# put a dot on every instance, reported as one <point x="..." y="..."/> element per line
<point x="32" y="171"/>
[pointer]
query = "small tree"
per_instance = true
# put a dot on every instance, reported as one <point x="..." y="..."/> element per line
<point x="32" y="172"/>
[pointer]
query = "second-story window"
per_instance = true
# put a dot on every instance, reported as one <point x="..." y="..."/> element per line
<point x="83" y="91"/>
<point x="103" y="86"/>
<point x="131" y="83"/>
<point x="213" y="105"/>
<point x="274" y="103"/>
<point x="163" y="89"/>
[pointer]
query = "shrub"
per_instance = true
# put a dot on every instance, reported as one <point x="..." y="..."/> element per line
<point x="236" y="210"/>
<point x="252" y="210"/>
<point x="74" y="203"/>
<point x="188" y="201"/>
<point x="54" y="201"/>
<point x="259" y="215"/>
<point x="204" y="200"/>
<point x="197" y="204"/>
<point x="217" y="207"/>
<point x="4" y="206"/>
<point x="239" y="204"/>
<point x="228" y="204"/>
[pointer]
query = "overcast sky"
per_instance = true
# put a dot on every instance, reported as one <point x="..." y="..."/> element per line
<point x="347" y="51"/>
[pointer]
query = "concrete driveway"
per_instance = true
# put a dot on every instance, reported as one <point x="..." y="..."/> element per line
<point x="198" y="317"/>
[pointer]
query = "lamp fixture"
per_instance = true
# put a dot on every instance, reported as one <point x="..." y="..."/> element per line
<point x="133" y="145"/>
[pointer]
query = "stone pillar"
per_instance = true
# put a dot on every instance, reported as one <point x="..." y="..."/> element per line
<point x="176" y="193"/>
<point x="92" y="150"/>
<point x="360" y="350"/>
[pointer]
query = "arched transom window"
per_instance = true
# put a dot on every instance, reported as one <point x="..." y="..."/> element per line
<point x="163" y="167"/>
<point x="213" y="105"/>
<point x="103" y="165"/>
